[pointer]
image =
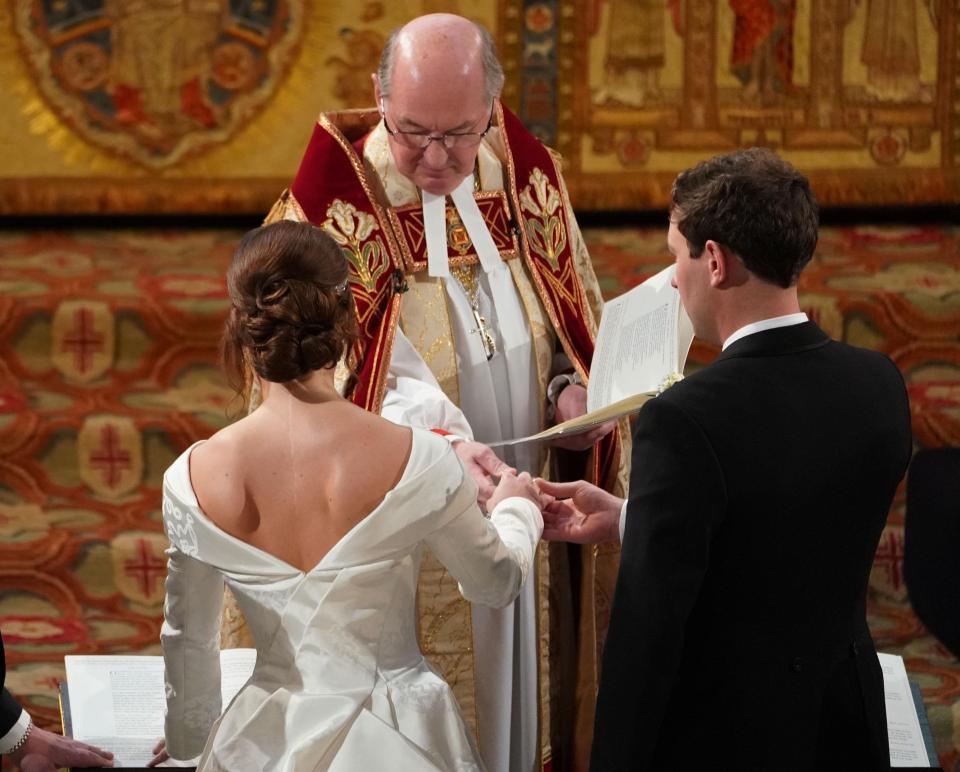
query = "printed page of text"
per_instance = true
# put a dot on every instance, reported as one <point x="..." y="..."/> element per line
<point x="639" y="343"/>
<point x="117" y="702"/>
<point x="903" y="724"/>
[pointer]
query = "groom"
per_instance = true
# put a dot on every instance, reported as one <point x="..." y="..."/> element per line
<point x="759" y="489"/>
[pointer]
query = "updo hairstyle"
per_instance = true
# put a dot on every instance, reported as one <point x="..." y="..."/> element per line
<point x="292" y="311"/>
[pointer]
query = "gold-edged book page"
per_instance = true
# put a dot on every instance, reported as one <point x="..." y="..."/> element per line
<point x="584" y="422"/>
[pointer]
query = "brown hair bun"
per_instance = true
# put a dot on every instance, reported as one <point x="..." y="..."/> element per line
<point x="292" y="311"/>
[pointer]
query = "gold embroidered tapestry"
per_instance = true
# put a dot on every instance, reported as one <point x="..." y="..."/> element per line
<point x="205" y="106"/>
<point x="861" y="95"/>
<point x="179" y="106"/>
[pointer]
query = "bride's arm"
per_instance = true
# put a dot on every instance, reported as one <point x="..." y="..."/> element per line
<point x="190" y="641"/>
<point x="490" y="558"/>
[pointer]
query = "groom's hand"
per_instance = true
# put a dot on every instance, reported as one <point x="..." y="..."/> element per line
<point x="581" y="513"/>
<point x="483" y="465"/>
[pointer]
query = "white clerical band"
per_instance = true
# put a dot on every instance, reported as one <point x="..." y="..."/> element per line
<point x="15" y="737"/>
<point x="435" y="228"/>
<point x="473" y="221"/>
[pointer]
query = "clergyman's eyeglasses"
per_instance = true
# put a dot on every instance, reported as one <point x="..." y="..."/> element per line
<point x="419" y="140"/>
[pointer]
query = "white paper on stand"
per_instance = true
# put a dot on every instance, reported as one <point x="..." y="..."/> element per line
<point x="903" y="723"/>
<point x="117" y="702"/>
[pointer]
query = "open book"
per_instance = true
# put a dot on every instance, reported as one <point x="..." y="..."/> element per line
<point x="641" y="348"/>
<point x="117" y="702"/>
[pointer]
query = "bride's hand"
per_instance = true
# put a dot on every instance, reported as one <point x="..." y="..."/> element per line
<point x="513" y="484"/>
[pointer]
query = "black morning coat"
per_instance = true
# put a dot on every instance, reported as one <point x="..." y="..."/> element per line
<point x="759" y="489"/>
<point x="9" y="709"/>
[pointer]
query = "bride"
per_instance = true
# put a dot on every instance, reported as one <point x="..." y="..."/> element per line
<point x="315" y="513"/>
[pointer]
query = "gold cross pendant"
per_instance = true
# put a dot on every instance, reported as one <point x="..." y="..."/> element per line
<point x="489" y="344"/>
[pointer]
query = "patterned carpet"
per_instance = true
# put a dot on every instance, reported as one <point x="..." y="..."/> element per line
<point x="108" y="370"/>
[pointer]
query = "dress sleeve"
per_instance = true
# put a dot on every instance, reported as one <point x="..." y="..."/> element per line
<point x="490" y="558"/>
<point x="414" y="398"/>
<point x="191" y="646"/>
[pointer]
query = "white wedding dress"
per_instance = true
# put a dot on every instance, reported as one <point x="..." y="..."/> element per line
<point x="340" y="683"/>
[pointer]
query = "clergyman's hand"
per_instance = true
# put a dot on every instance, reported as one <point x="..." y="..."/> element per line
<point x="46" y="752"/>
<point x="582" y="513"/>
<point x="483" y="465"/>
<point x="572" y="403"/>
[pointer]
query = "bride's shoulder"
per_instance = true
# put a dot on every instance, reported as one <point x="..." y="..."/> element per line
<point x="220" y="445"/>
<point x="206" y="464"/>
<point x="432" y="447"/>
<point x="434" y="464"/>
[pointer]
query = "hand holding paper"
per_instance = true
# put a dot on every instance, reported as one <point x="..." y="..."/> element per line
<point x="46" y="752"/>
<point x="641" y="347"/>
<point x="572" y="404"/>
<point x="119" y="701"/>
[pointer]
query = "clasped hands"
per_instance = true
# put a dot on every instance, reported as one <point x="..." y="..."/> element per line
<point x="575" y="511"/>
<point x="485" y="467"/>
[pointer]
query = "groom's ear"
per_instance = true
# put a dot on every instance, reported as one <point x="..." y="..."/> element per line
<point x="725" y="268"/>
<point x="716" y="259"/>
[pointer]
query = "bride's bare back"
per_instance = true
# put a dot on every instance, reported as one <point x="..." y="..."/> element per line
<point x="297" y="474"/>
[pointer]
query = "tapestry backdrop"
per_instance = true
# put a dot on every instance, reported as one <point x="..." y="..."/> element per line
<point x="206" y="105"/>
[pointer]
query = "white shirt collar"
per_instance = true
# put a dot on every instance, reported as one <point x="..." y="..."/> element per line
<point x="766" y="324"/>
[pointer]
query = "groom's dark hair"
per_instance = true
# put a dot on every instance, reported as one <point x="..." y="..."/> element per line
<point x="753" y="203"/>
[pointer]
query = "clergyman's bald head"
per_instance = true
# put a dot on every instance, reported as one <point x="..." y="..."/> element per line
<point x="441" y="48"/>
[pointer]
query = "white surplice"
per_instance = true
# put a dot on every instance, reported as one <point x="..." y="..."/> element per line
<point x="500" y="399"/>
<point x="340" y="683"/>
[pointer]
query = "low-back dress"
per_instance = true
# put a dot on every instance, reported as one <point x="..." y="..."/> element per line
<point x="339" y="682"/>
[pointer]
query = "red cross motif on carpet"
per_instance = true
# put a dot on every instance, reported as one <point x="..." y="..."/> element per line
<point x="889" y="559"/>
<point x="145" y="568"/>
<point x="83" y="340"/>
<point x="110" y="455"/>
<point x="110" y="459"/>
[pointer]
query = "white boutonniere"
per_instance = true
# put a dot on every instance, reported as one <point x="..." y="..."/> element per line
<point x="667" y="382"/>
